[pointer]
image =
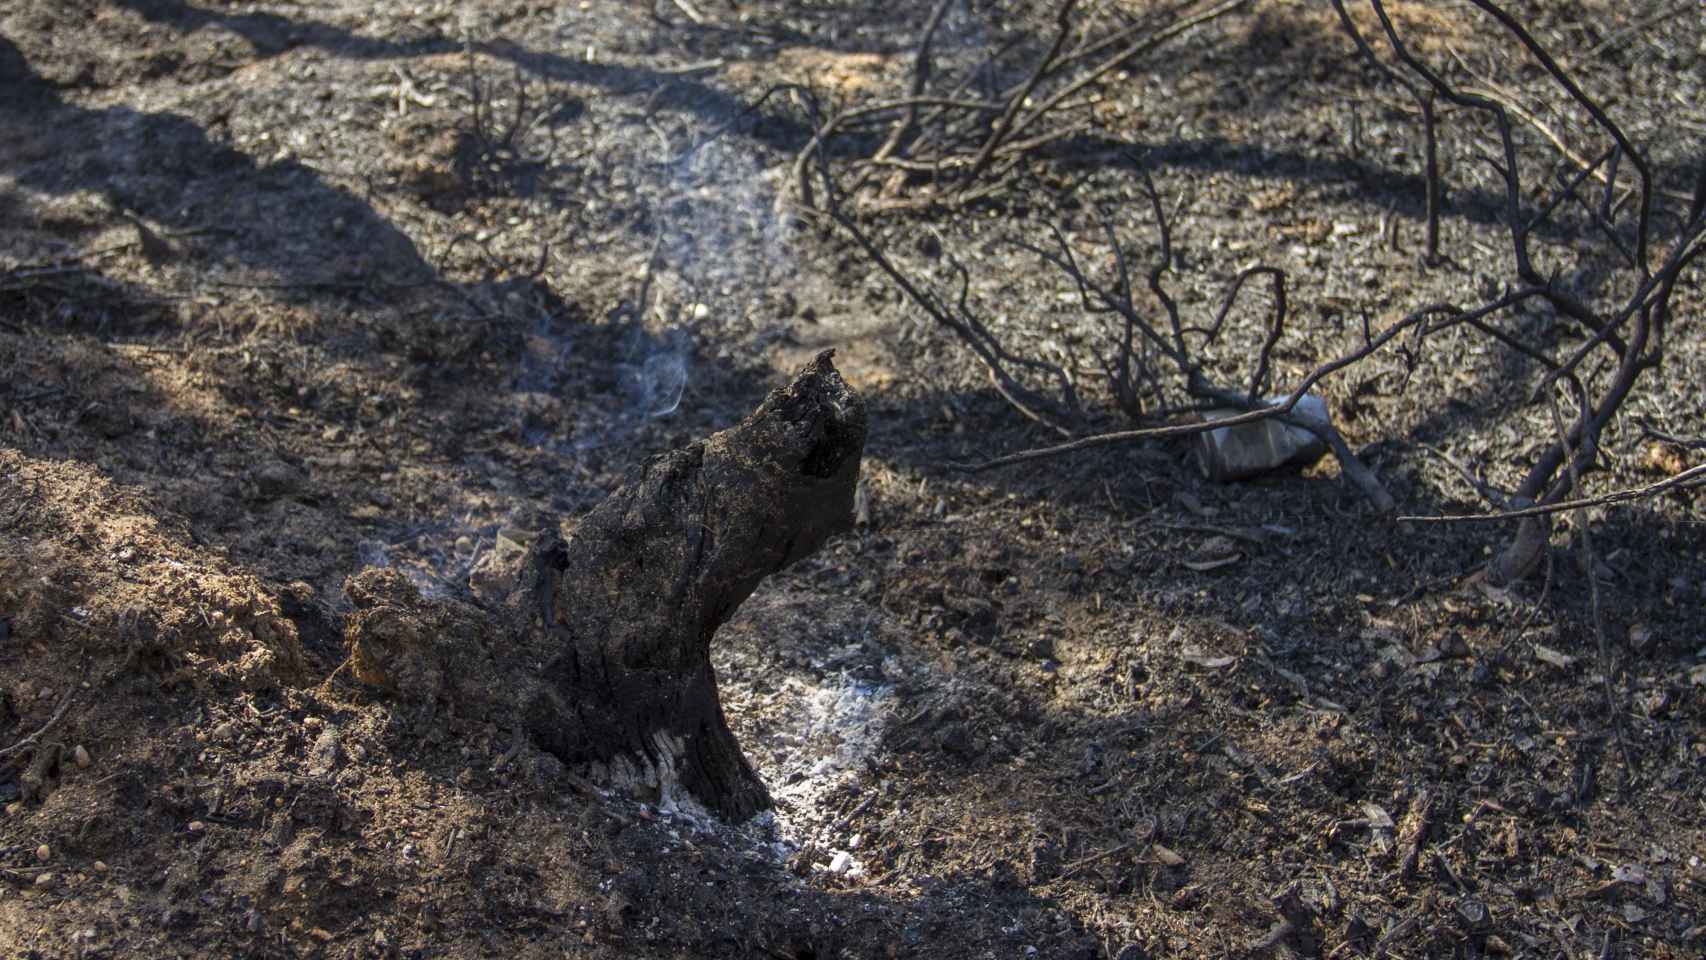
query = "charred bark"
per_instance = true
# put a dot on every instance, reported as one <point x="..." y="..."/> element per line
<point x="631" y="602"/>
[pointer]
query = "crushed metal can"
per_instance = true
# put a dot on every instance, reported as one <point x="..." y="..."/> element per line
<point x="1252" y="449"/>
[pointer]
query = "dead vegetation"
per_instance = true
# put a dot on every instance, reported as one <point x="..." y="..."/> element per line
<point x="1160" y="363"/>
<point x="313" y="321"/>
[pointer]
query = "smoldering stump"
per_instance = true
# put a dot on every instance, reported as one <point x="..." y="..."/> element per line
<point x="622" y="614"/>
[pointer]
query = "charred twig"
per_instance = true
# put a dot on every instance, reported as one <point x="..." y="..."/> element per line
<point x="957" y="316"/>
<point x="1171" y="339"/>
<point x="957" y="142"/>
<point x="34" y="738"/>
<point x="1692" y="477"/>
<point x="1279" y="407"/>
<point x="1687" y="443"/>
<point x="920" y="80"/>
<point x="1293" y="918"/>
<point x="1074" y="867"/>
<point x="1612" y="708"/>
<point x="1135" y="49"/>
<point x="1017" y="102"/>
<point x="1479" y="484"/>
<point x="1430" y="130"/>
<point x="700" y="142"/>
<point x="1414" y="833"/>
<point x="499" y="154"/>
<point x="813" y="150"/>
<point x="1631" y="332"/>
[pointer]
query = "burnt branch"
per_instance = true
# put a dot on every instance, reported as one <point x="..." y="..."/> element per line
<point x="1156" y="360"/>
<point x="943" y="148"/>
<point x="920" y="80"/>
<point x="1430" y="129"/>
<point x="1182" y="348"/>
<point x="1627" y="333"/>
<point x="956" y="315"/>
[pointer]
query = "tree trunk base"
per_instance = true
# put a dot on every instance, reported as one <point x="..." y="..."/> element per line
<point x="622" y="615"/>
<point x="634" y="599"/>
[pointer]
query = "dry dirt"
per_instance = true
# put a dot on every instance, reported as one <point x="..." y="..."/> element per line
<point x="293" y="289"/>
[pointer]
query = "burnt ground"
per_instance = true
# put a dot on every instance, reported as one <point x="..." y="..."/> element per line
<point x="288" y="290"/>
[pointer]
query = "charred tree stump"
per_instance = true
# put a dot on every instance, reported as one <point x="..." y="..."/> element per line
<point x="631" y="601"/>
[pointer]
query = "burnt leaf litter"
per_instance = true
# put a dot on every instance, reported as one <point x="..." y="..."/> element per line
<point x="292" y="292"/>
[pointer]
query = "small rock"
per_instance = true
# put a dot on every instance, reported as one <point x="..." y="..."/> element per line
<point x="1453" y="646"/>
<point x="109" y="420"/>
<point x="327" y="751"/>
<point x="276" y="478"/>
<point x="954" y="739"/>
<point x="43" y="853"/>
<point x="14" y="808"/>
<point x="840" y="863"/>
<point x="178" y="918"/>
<point x="1640" y="636"/>
<point x="1201" y="657"/>
<point x="44" y="878"/>
<point x="196" y="826"/>
<point x="81" y="755"/>
<point x="547" y="768"/>
<point x="101" y="866"/>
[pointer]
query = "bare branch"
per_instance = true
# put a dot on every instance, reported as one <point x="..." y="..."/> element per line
<point x="1015" y="103"/>
<point x="1278" y="409"/>
<point x="1688" y="479"/>
<point x="34" y="738"/>
<point x="958" y="143"/>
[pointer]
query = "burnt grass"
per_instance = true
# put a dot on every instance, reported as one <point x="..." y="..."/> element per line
<point x="292" y="290"/>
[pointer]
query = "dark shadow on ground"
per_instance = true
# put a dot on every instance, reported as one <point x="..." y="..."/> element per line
<point x="145" y="158"/>
<point x="1304" y="541"/>
<point x="157" y="165"/>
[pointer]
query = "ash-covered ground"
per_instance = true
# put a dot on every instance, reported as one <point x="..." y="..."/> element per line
<point x="289" y="290"/>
